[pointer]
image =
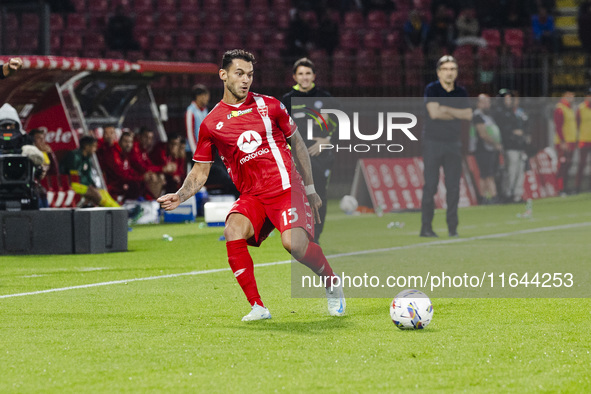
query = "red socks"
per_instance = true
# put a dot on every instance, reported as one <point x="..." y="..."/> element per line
<point x="243" y="268"/>
<point x="316" y="261"/>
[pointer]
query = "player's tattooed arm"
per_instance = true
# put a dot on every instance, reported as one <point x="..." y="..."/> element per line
<point x="193" y="183"/>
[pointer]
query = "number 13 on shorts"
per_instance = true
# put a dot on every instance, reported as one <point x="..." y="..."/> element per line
<point x="291" y="214"/>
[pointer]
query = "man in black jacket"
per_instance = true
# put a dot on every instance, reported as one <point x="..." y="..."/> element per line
<point x="514" y="145"/>
<point x="304" y="76"/>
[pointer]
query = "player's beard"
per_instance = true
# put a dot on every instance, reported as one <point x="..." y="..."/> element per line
<point x="236" y="94"/>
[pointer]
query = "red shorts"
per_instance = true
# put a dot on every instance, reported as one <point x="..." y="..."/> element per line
<point x="284" y="211"/>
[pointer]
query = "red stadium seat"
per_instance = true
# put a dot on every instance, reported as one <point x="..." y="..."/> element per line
<point x="376" y="20"/>
<point x="56" y="22"/>
<point x="277" y="40"/>
<point x="260" y="21"/>
<point x="321" y="62"/>
<point x="373" y="39"/>
<point x="158" y="55"/>
<point x="349" y="39"/>
<point x="97" y="21"/>
<point x="390" y="59"/>
<point x="166" y="6"/>
<point x="236" y="6"/>
<point x="98" y="7"/>
<point x="30" y="22"/>
<point x="143" y="39"/>
<point x="398" y="19"/>
<point x="213" y="21"/>
<point x="79" y="5"/>
<point x="366" y="58"/>
<point x="28" y="42"/>
<point x="232" y="40"/>
<point x="94" y="40"/>
<point x="343" y="57"/>
<point x="213" y="6"/>
<point x="162" y="42"/>
<point x="205" y="56"/>
<point x="189" y="6"/>
<point x="209" y="40"/>
<point x="181" y="55"/>
<point x="71" y="41"/>
<point x="492" y="37"/>
<point x="167" y="21"/>
<point x="391" y="74"/>
<point x="353" y="20"/>
<point x="514" y="37"/>
<point x="55" y="43"/>
<point x="341" y="77"/>
<point x="256" y="41"/>
<point x="144" y="23"/>
<point x="236" y="21"/>
<point x="76" y="22"/>
<point x="114" y="55"/>
<point x="143" y="6"/>
<point x="280" y="6"/>
<point x="281" y="21"/>
<point x="190" y="22"/>
<point x="92" y="53"/>
<point x="257" y="6"/>
<point x="393" y="40"/>
<point x="134" y="56"/>
<point x="414" y="59"/>
<point x="186" y="41"/>
<point x="310" y="18"/>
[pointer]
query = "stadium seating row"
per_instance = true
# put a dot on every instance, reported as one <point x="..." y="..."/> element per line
<point x="148" y="21"/>
<point x="107" y="6"/>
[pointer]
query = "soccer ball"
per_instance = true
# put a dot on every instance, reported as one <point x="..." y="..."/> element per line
<point x="348" y="204"/>
<point x="411" y="309"/>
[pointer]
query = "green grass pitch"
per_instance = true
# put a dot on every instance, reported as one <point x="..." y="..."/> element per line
<point x="182" y="333"/>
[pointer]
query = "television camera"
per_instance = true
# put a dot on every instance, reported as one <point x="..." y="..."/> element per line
<point x="17" y="169"/>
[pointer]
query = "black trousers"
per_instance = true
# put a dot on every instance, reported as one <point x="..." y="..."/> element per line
<point x="435" y="155"/>
<point x="321" y="174"/>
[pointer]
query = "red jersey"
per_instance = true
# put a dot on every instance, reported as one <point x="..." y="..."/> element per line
<point x="252" y="141"/>
<point x="141" y="158"/>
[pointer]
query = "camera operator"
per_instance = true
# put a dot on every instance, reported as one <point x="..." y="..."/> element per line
<point x="17" y="187"/>
<point x="13" y="65"/>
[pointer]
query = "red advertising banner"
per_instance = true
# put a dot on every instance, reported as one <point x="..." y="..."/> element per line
<point x="397" y="184"/>
<point x="51" y="116"/>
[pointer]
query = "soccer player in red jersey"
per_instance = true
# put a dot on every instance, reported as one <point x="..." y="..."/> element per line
<point x="252" y="133"/>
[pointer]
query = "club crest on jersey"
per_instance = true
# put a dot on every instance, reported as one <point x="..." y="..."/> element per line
<point x="235" y="114"/>
<point x="249" y="141"/>
<point x="264" y="111"/>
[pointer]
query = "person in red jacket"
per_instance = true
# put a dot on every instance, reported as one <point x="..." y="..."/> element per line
<point x="167" y="154"/>
<point x="141" y="159"/>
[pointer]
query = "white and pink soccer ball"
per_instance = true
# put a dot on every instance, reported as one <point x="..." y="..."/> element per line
<point x="411" y="310"/>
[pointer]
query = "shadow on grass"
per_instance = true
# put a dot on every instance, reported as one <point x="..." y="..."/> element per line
<point x="311" y="327"/>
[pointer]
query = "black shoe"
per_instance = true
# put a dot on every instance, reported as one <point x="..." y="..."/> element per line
<point x="453" y="234"/>
<point x="428" y="234"/>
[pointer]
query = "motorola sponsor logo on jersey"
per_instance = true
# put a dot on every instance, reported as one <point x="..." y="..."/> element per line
<point x="248" y="142"/>
<point x="388" y="122"/>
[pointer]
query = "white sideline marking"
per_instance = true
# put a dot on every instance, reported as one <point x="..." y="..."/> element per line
<point x="333" y="256"/>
